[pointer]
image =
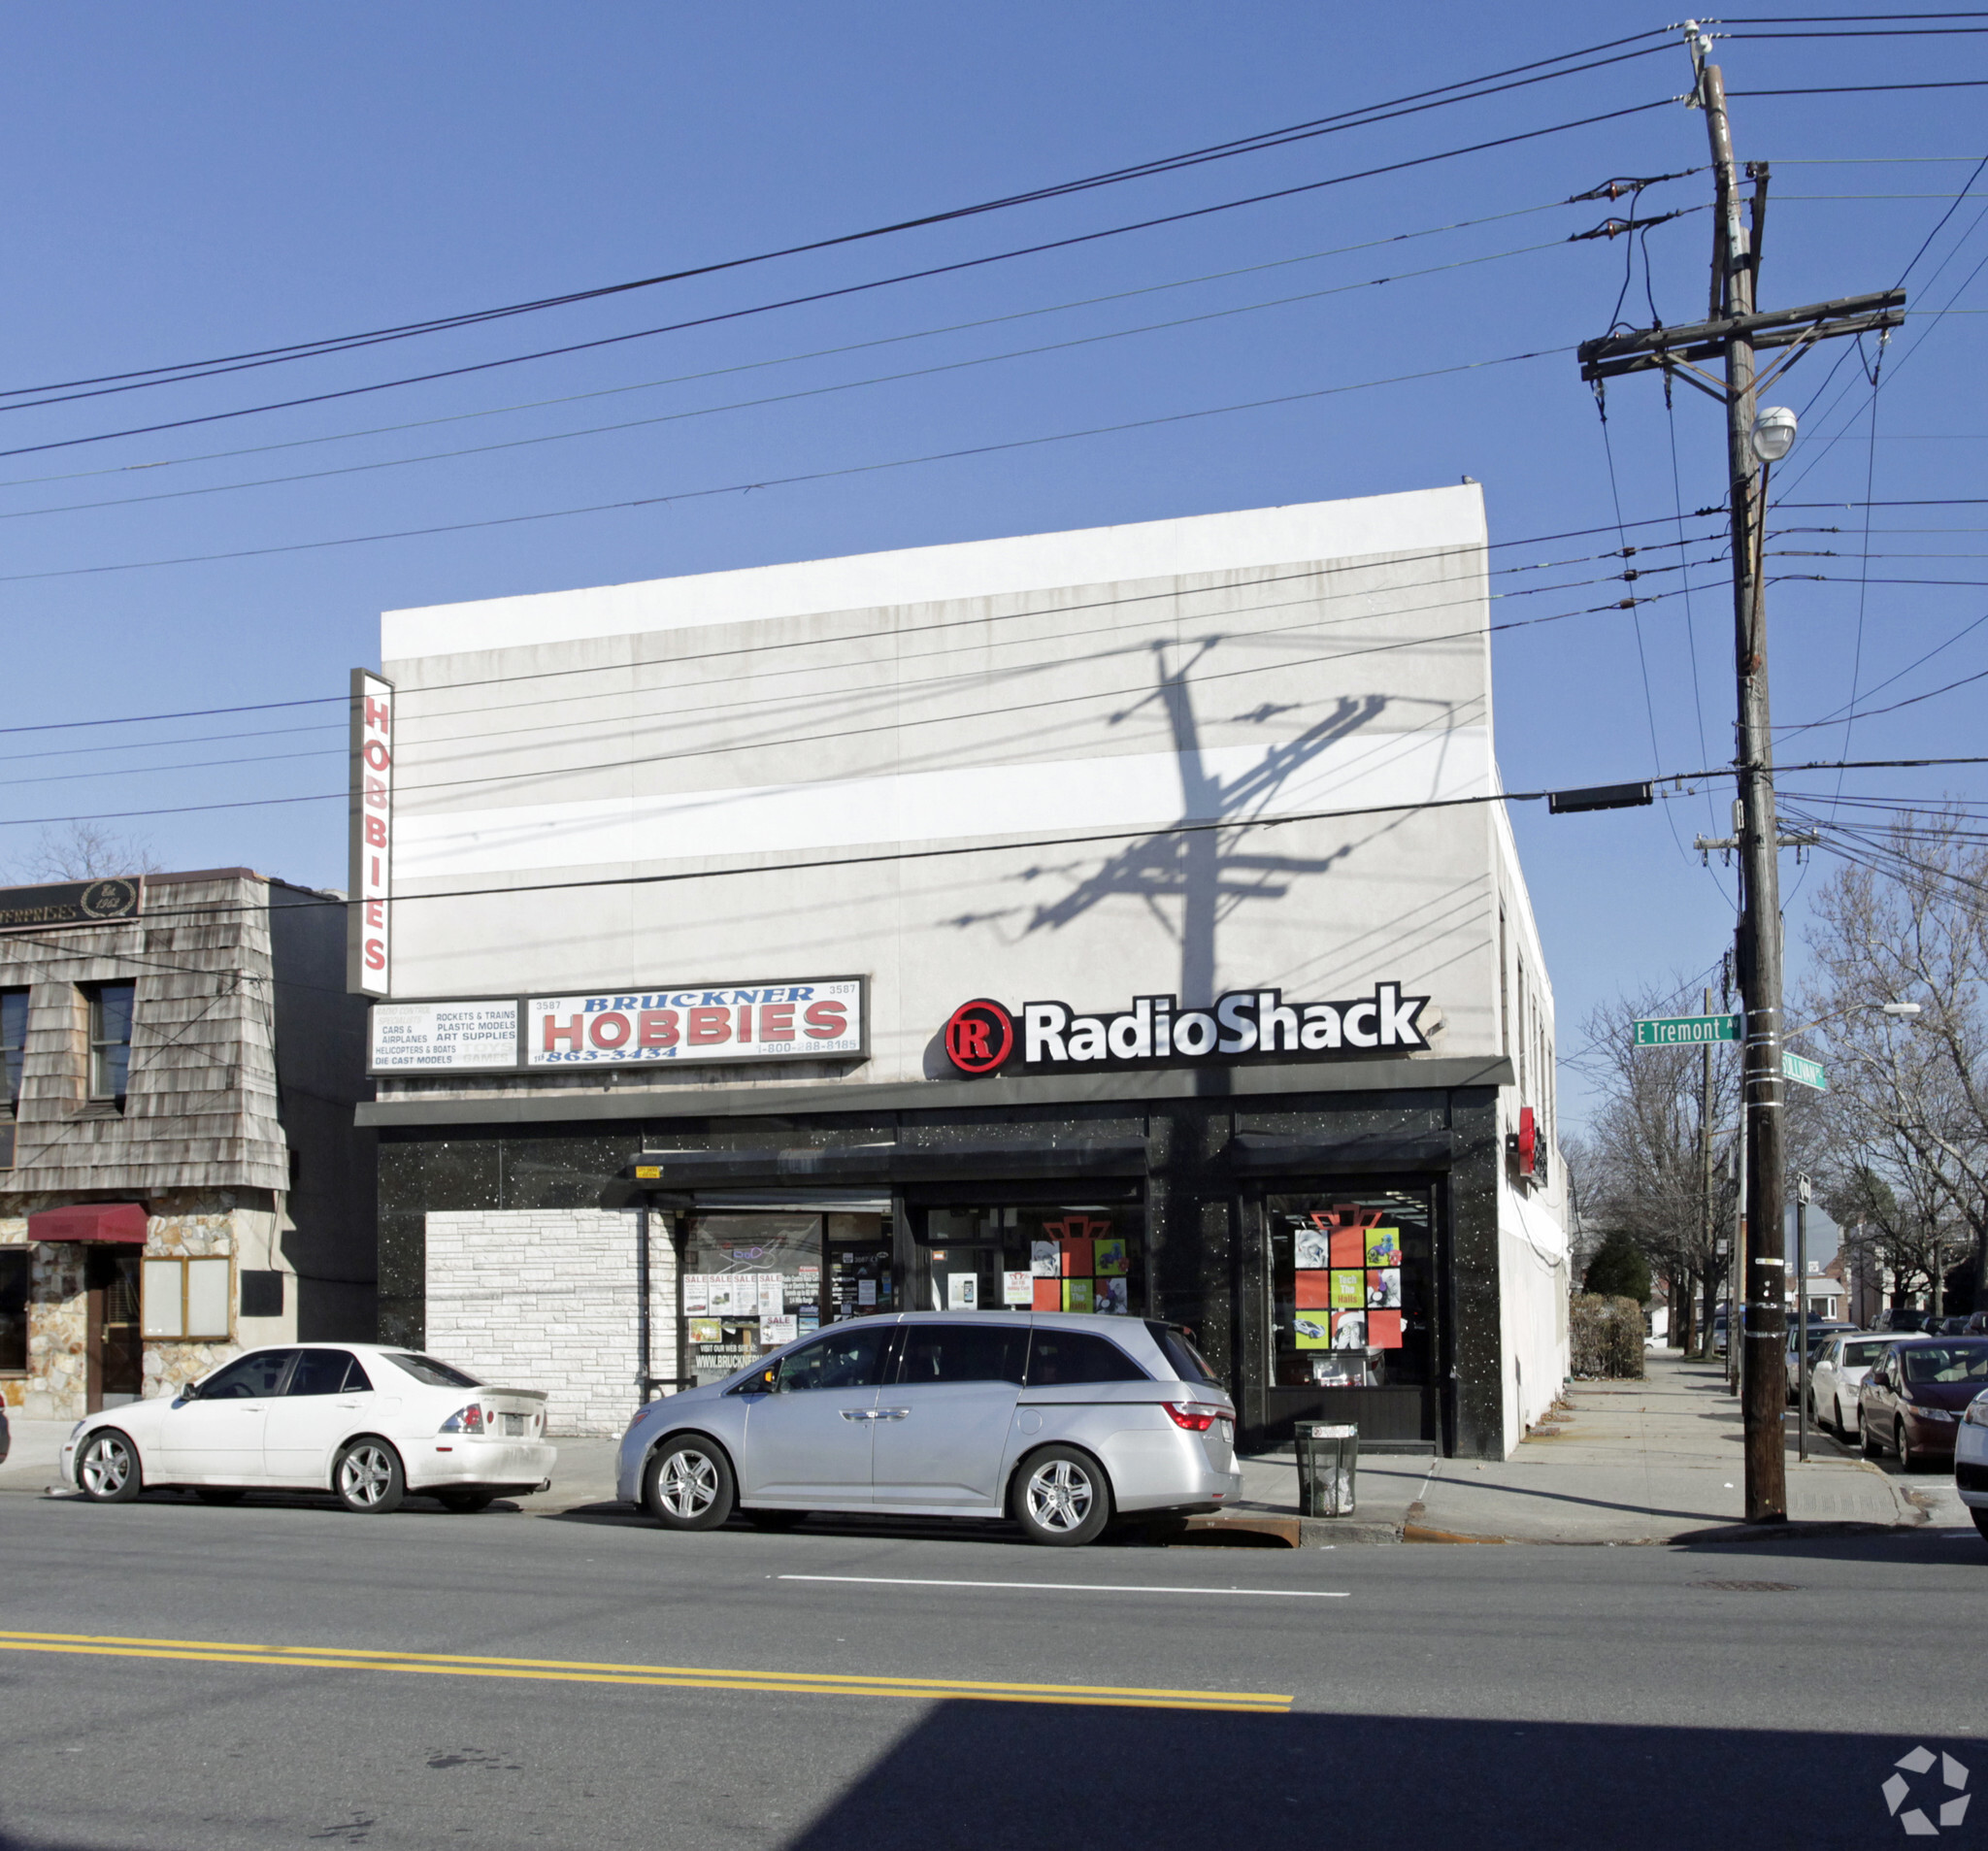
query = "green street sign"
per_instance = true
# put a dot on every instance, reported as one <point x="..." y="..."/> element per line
<point x="1805" y="1072"/>
<point x="1686" y="1031"/>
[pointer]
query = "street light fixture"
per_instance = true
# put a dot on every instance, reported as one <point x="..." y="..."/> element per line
<point x="1774" y="433"/>
<point x="1900" y="1008"/>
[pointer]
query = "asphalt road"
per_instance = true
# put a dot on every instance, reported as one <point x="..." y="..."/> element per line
<point x="283" y="1675"/>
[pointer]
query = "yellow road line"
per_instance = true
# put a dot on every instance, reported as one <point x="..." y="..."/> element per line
<point x="655" y="1676"/>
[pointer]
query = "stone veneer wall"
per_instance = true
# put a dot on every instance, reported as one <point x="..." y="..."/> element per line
<point x="56" y="1385"/>
<point x="547" y="1299"/>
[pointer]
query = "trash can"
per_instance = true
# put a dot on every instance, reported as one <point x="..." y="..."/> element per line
<point x="1328" y="1461"/>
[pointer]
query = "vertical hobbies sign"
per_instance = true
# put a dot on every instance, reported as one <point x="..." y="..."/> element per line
<point x="369" y="920"/>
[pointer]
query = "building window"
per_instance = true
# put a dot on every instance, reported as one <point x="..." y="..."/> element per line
<point x="187" y="1297"/>
<point x="110" y="1039"/>
<point x="14" y="1266"/>
<point x="12" y="1062"/>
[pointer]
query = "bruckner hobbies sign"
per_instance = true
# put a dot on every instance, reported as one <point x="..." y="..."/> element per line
<point x="982" y="1036"/>
<point x="823" y="1018"/>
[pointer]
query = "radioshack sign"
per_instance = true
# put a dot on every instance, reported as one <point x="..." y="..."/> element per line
<point x="984" y="1037"/>
<point x="822" y="1019"/>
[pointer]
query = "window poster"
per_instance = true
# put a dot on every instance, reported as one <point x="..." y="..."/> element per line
<point x="1018" y="1289"/>
<point x="1078" y="1296"/>
<point x="1383" y="1247"/>
<point x="1384" y="1288"/>
<point x="1315" y="1290"/>
<point x="1045" y="1258"/>
<point x="1109" y="1258"/>
<point x="1110" y="1295"/>
<point x="1312" y="1331"/>
<point x="697" y="1301"/>
<point x="1349" y="1291"/>
<point x="782" y="1328"/>
<point x="706" y="1331"/>
<point x="1353" y="1280"/>
<point x="771" y="1291"/>
<point x="1349" y="1329"/>
<point x="1314" y="1249"/>
<point x="962" y="1291"/>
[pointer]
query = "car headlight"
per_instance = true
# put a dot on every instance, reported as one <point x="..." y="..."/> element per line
<point x="1934" y="1413"/>
<point x="1977" y="1411"/>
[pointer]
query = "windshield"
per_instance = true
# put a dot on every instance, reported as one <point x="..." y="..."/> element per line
<point x="1182" y="1357"/>
<point x="434" y="1374"/>
<point x="1863" y="1355"/>
<point x="1947" y="1365"/>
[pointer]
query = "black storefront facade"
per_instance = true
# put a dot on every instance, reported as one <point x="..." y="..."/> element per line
<point x="1329" y="1231"/>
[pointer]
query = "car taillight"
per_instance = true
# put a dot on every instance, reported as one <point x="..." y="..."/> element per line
<point x="1196" y="1418"/>
<point x="465" y="1420"/>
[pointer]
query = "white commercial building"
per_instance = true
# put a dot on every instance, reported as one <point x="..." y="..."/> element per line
<point x="1113" y="918"/>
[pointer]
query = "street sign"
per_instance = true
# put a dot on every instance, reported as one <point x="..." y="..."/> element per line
<point x="1805" y="1072"/>
<point x="1686" y="1031"/>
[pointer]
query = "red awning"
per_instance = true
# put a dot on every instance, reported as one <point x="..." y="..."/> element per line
<point x="91" y="1222"/>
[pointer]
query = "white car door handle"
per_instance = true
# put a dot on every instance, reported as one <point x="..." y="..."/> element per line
<point x="890" y="1413"/>
<point x="859" y="1413"/>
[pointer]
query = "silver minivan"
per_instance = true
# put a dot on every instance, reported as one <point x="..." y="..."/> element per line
<point x="1058" y="1419"/>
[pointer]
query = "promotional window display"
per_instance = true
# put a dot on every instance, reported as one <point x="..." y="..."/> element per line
<point x="1352" y="1281"/>
<point x="752" y="1281"/>
<point x="1036" y="1256"/>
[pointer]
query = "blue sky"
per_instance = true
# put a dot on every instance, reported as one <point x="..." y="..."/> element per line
<point x="192" y="181"/>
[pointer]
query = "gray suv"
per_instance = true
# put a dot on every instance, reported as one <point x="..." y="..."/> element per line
<point x="1058" y="1419"/>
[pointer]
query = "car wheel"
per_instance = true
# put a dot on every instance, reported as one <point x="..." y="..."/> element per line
<point x="1843" y="1426"/>
<point x="107" y="1470"/>
<point x="775" y="1519"/>
<point x="1908" y="1455"/>
<point x="688" y="1485"/>
<point x="1867" y="1441"/>
<point x="369" y="1478"/>
<point x="219" y="1494"/>
<point x="1981" y="1518"/>
<point x="1062" y="1498"/>
<point x="465" y="1504"/>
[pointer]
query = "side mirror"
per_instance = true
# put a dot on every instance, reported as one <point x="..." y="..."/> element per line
<point x="188" y="1391"/>
<point x="770" y="1379"/>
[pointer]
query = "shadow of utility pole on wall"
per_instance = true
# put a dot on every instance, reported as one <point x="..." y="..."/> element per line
<point x="1206" y="871"/>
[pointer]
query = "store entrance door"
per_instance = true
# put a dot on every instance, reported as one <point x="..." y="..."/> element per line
<point x="115" y="1348"/>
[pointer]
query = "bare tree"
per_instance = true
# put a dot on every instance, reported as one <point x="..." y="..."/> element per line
<point x="1908" y="1100"/>
<point x="85" y="851"/>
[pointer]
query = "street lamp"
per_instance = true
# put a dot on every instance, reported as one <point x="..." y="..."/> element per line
<point x="1900" y="1008"/>
<point x="1774" y="433"/>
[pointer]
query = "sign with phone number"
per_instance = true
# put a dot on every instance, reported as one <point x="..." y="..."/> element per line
<point x="812" y="1020"/>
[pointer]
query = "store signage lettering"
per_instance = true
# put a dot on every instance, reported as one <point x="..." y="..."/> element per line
<point x="369" y="929"/>
<point x="984" y="1035"/>
<point x="71" y="903"/>
<point x="730" y="1022"/>
<point x="439" y="1037"/>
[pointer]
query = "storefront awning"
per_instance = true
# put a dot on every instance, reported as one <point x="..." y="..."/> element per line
<point x="892" y="1163"/>
<point x="91" y="1222"/>
<point x="1256" y="1153"/>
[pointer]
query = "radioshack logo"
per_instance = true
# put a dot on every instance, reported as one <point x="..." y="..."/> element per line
<point x="984" y="1036"/>
<point x="979" y="1036"/>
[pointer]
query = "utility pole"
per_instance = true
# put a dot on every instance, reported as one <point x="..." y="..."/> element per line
<point x="1756" y="1328"/>
<point x="1705" y="1156"/>
<point x="1802" y="1317"/>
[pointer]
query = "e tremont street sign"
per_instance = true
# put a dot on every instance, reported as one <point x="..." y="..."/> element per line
<point x="1686" y="1031"/>
<point x="1696" y="1031"/>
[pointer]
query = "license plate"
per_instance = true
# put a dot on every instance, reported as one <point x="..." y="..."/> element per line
<point x="510" y="1426"/>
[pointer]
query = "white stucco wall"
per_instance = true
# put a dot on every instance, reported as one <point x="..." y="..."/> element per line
<point x="546" y="1297"/>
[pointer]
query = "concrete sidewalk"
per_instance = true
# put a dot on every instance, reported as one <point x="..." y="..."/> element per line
<point x="1644" y="1462"/>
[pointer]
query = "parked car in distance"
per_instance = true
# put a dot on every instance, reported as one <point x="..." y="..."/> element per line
<point x="366" y="1422"/>
<point x="1914" y="1398"/>
<point x="1977" y="1325"/>
<point x="1900" y="1319"/>
<point x="1057" y="1419"/>
<point x="1970" y="1461"/>
<point x="1836" y="1374"/>
<point x="1819" y="1335"/>
<point x="1948" y="1326"/>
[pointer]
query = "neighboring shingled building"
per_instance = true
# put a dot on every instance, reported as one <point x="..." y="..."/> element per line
<point x="179" y="1174"/>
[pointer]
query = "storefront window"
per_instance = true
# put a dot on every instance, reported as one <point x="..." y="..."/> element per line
<point x="1352" y="1280"/>
<point x="13" y="1271"/>
<point x="751" y="1282"/>
<point x="1034" y="1256"/>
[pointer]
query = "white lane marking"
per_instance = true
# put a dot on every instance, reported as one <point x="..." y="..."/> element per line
<point x="1073" y="1586"/>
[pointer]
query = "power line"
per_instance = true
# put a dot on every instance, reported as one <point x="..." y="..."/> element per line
<point x="788" y="359"/>
<point x="772" y="482"/>
<point x="784" y="398"/>
<point x="1367" y="116"/>
<point x="825" y="295"/>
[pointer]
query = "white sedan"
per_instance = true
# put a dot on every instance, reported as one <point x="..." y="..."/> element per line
<point x="364" y="1421"/>
<point x="1836" y="1374"/>
<point x="1970" y="1461"/>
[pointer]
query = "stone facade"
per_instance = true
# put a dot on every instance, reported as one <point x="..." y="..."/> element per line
<point x="547" y="1299"/>
<point x="56" y="1384"/>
